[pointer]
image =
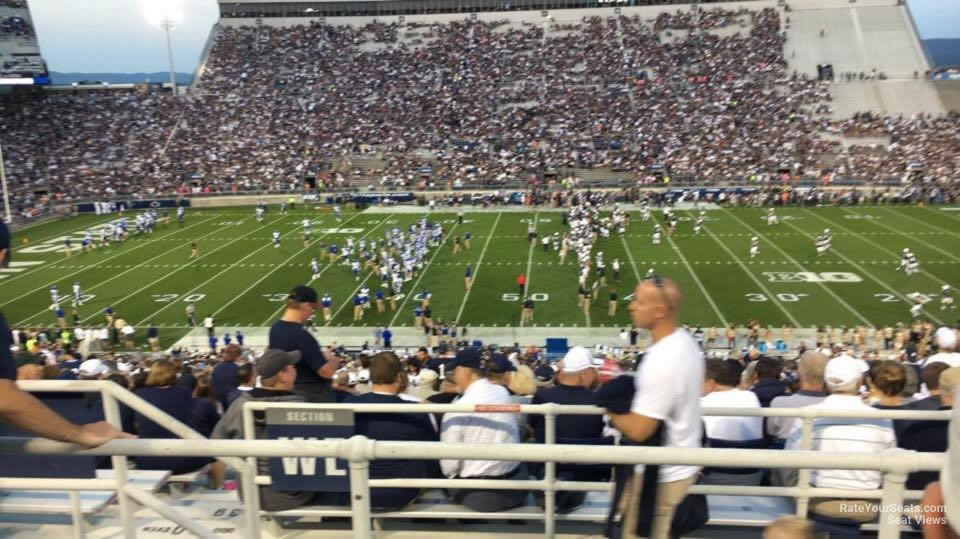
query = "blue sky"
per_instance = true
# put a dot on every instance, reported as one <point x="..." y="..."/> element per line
<point x="114" y="36"/>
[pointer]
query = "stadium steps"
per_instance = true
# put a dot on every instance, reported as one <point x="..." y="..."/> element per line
<point x="857" y="38"/>
<point x="901" y="96"/>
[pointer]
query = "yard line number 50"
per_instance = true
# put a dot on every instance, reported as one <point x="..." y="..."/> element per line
<point x="509" y="296"/>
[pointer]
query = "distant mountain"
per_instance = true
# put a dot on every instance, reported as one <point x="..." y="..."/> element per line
<point x="943" y="52"/>
<point x="118" y="78"/>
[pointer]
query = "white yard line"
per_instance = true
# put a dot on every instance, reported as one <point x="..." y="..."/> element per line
<point x="48" y="238"/>
<point x="758" y="282"/>
<point x="696" y="279"/>
<point x="285" y="262"/>
<point x="67" y="276"/>
<point x="895" y="254"/>
<point x="945" y="211"/>
<point x="916" y="239"/>
<point x="295" y="230"/>
<point x="413" y="289"/>
<point x="861" y="268"/>
<point x="825" y="288"/>
<point x="382" y="222"/>
<point x="476" y="270"/>
<point x="181" y="267"/>
<point x="533" y="243"/>
<point x="633" y="263"/>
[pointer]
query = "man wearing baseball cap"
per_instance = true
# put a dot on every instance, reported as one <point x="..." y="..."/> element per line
<point x="843" y="377"/>
<point x="315" y="370"/>
<point x="573" y="385"/>
<point x="470" y="369"/>
<point x="278" y="372"/>
<point x="946" y="340"/>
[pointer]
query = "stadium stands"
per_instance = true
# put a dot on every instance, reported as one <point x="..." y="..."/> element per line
<point x="356" y="102"/>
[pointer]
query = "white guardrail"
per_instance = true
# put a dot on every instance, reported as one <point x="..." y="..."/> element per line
<point x="359" y="451"/>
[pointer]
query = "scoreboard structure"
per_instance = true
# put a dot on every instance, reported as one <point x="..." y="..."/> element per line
<point x="20" y="60"/>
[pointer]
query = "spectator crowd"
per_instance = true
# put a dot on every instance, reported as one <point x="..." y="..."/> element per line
<point x="478" y="101"/>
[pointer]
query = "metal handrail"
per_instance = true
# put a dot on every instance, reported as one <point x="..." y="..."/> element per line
<point x="570" y="453"/>
<point x="359" y="451"/>
<point x="113" y="394"/>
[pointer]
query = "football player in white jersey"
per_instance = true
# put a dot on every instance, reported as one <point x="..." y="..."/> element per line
<point x="754" y="246"/>
<point x="54" y="298"/>
<point x="916" y="307"/>
<point x="946" y="299"/>
<point x="314" y="268"/>
<point x="772" y="217"/>
<point x="77" y="295"/>
<point x="822" y="244"/>
<point x="276" y="239"/>
<point x="656" y="234"/>
<point x="260" y="210"/>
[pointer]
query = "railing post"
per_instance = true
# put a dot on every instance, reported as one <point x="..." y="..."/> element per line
<point x="891" y="503"/>
<point x="111" y="411"/>
<point x="550" y="473"/>
<point x="803" y="474"/>
<point x="248" y="480"/>
<point x="360" y="452"/>
<point x="77" y="511"/>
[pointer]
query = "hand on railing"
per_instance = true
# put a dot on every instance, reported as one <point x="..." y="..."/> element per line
<point x="99" y="433"/>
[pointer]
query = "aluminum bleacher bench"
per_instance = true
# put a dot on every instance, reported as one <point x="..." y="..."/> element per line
<point x="91" y="501"/>
<point x="434" y="504"/>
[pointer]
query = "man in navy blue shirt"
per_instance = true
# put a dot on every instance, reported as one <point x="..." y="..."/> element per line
<point x="387" y="377"/>
<point x="387" y="336"/>
<point x="574" y="384"/>
<point x="314" y="370"/>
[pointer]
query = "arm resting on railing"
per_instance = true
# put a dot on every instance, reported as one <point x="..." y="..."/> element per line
<point x="25" y="411"/>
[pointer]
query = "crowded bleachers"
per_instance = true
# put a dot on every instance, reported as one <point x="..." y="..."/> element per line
<point x="486" y="102"/>
<point x="908" y="368"/>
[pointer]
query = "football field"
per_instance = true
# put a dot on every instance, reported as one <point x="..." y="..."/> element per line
<point x="241" y="279"/>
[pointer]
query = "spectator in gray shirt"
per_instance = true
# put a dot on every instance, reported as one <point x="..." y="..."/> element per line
<point x="810" y="369"/>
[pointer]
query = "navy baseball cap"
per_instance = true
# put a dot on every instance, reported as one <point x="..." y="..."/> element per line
<point x="500" y="363"/>
<point x="304" y="294"/>
<point x="466" y="357"/>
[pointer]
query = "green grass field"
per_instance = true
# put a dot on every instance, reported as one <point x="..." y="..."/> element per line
<point x="241" y="279"/>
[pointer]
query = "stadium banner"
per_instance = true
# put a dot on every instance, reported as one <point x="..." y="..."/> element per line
<point x="91" y="207"/>
<point x="373" y="198"/>
<point x="328" y="474"/>
<point x="714" y="192"/>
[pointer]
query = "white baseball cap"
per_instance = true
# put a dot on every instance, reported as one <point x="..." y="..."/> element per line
<point x="945" y="338"/>
<point x="577" y="359"/>
<point x="93" y="367"/>
<point x="844" y="370"/>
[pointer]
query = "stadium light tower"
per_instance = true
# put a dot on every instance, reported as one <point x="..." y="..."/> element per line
<point x="166" y="14"/>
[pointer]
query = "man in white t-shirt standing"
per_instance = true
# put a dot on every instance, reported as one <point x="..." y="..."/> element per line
<point x="668" y="385"/>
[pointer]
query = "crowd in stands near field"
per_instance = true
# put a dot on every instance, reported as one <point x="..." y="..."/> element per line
<point x="278" y="104"/>
<point x="907" y="367"/>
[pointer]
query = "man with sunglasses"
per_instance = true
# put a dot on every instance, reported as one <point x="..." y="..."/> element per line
<point x="668" y="385"/>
